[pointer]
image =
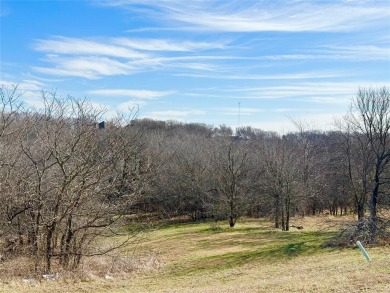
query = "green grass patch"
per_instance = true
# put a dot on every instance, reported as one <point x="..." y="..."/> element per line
<point x="225" y="247"/>
<point x="212" y="257"/>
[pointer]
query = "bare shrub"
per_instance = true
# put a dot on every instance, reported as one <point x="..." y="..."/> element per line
<point x="362" y="231"/>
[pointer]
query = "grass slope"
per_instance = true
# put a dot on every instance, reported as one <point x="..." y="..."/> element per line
<point x="252" y="257"/>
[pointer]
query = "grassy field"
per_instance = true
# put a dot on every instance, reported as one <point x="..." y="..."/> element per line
<point x="252" y="257"/>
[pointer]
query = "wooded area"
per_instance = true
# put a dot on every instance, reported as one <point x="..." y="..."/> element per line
<point x="67" y="179"/>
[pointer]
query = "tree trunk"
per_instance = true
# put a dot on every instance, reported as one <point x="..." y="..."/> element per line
<point x="360" y="211"/>
<point x="232" y="221"/>
<point x="49" y="247"/>
<point x="283" y="220"/>
<point x="34" y="239"/>
<point x="232" y="217"/>
<point x="66" y="243"/>
<point x="287" y="206"/>
<point x="373" y="207"/>
<point x="277" y="211"/>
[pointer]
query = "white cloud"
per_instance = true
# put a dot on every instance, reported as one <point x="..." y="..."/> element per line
<point x="319" y="92"/>
<point x="103" y="108"/>
<point x="130" y="105"/>
<point x="254" y="16"/>
<point x="29" y="89"/>
<point x="345" y="53"/>
<point x="179" y="115"/>
<point x="301" y="75"/>
<point x="356" y="52"/>
<point x="86" y="67"/>
<point x="167" y="45"/>
<point x="140" y="94"/>
<point x="119" y="47"/>
<point x="138" y="97"/>
<point x="290" y="110"/>
<point x="283" y="124"/>
<point x="74" y="46"/>
<point x="24" y="85"/>
<point x="93" y="59"/>
<point x="240" y="111"/>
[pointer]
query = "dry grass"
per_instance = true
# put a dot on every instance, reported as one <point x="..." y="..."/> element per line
<point x="252" y="257"/>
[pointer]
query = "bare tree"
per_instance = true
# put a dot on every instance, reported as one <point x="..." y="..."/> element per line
<point x="62" y="181"/>
<point x="356" y="162"/>
<point x="282" y="170"/>
<point x="370" y="116"/>
<point x="10" y="127"/>
<point x="231" y="165"/>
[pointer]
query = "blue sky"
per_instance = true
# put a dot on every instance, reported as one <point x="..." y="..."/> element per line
<point x="196" y="61"/>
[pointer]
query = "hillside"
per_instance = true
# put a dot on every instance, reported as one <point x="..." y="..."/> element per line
<point x="212" y="257"/>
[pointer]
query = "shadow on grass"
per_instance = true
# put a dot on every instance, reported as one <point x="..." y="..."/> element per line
<point x="268" y="246"/>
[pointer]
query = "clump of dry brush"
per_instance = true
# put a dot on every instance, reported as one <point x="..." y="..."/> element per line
<point x="366" y="231"/>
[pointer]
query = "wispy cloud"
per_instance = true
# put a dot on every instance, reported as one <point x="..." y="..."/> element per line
<point x="255" y="16"/>
<point x="356" y="52"/>
<point x="191" y="60"/>
<point x="282" y="122"/>
<point x="179" y="115"/>
<point x="314" y="92"/>
<point x="99" y="57"/>
<point x="86" y="67"/>
<point x="240" y="111"/>
<point x="130" y="105"/>
<point x="303" y="75"/>
<point x="120" y="47"/>
<point x="338" y="93"/>
<point x="167" y="45"/>
<point x="140" y="94"/>
<point x="74" y="46"/>
<point x="92" y="59"/>
<point x="345" y="53"/>
<point x="24" y="85"/>
<point x="137" y="99"/>
<point x="30" y="90"/>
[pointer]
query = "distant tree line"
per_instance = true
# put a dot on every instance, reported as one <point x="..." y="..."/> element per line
<point x="66" y="179"/>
